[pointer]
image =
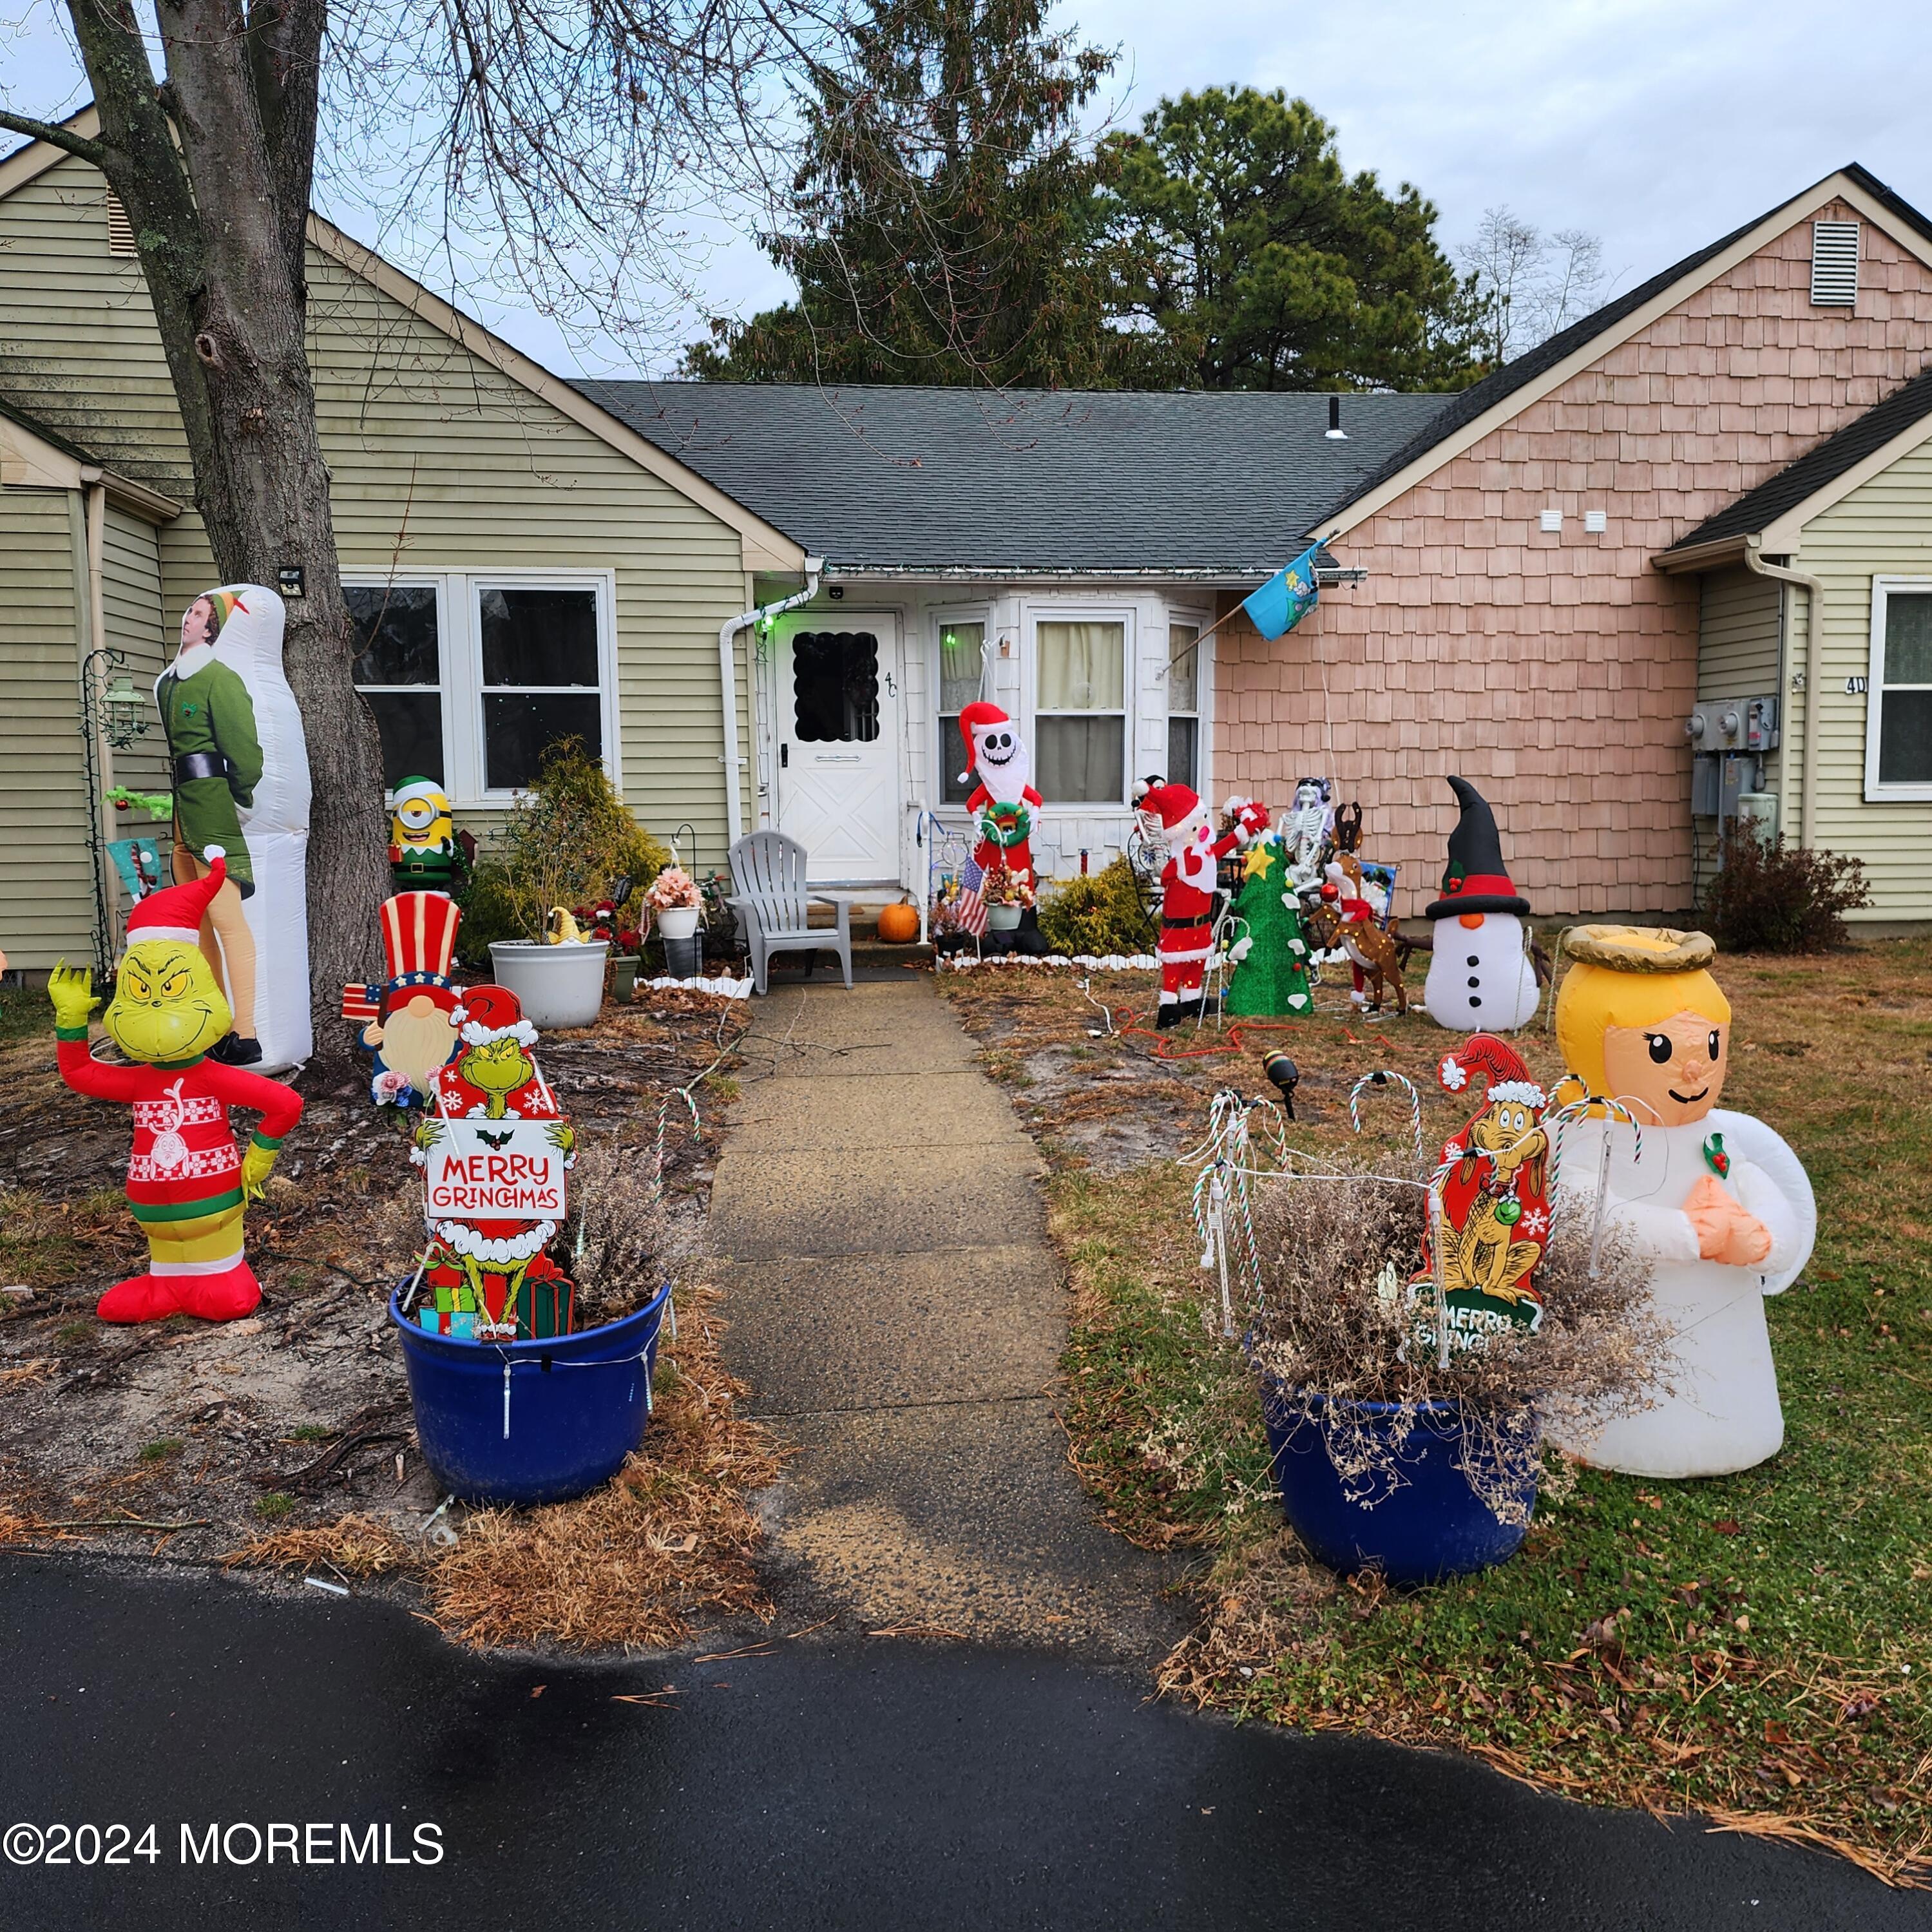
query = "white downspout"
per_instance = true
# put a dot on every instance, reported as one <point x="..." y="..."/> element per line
<point x="727" y="678"/>
<point x="1814" y="691"/>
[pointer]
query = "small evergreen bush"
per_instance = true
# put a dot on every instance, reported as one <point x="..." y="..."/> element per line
<point x="563" y="843"/>
<point x="1100" y="913"/>
<point x="1771" y="897"/>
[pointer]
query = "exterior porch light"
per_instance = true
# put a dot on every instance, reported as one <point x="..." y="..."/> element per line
<point x="127" y="712"/>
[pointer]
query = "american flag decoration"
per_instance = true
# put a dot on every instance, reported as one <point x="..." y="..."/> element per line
<point x="970" y="909"/>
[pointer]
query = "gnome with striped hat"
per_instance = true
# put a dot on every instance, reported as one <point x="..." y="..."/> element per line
<point x="410" y="1023"/>
<point x="187" y="1180"/>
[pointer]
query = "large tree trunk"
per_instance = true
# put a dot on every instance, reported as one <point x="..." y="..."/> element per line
<point x="221" y="218"/>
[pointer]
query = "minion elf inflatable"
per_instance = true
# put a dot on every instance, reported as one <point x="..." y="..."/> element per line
<point x="425" y="856"/>
<point x="187" y="1180"/>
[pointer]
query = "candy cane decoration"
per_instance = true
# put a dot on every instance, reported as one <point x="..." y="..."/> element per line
<point x="1382" y="1079"/>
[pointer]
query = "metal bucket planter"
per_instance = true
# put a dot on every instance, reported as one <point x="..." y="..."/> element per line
<point x="531" y="1422"/>
<point x="556" y="986"/>
<point x="1430" y="1526"/>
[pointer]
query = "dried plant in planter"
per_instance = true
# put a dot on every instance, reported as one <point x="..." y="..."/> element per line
<point x="1338" y="1327"/>
<point x="616" y="1246"/>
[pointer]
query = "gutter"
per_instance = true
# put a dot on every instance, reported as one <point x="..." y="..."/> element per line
<point x="727" y="680"/>
<point x="1814" y="689"/>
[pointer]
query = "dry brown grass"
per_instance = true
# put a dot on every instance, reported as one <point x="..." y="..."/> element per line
<point x="357" y="1546"/>
<point x="632" y="1565"/>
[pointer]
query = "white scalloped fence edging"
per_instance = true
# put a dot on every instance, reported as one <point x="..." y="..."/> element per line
<point x="725" y="989"/>
<point x="1110" y="962"/>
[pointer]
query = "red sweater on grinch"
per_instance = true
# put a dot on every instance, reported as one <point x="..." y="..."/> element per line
<point x="184" y="1160"/>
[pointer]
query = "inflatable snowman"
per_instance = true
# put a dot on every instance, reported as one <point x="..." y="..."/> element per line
<point x="1480" y="977"/>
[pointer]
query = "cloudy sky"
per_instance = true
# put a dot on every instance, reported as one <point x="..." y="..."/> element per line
<point x="1658" y="124"/>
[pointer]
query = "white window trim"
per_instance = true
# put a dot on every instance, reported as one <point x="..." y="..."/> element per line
<point x="1127" y="616"/>
<point x="460" y="659"/>
<point x="1876" y="793"/>
<point x="1203" y="713"/>
<point x="948" y="739"/>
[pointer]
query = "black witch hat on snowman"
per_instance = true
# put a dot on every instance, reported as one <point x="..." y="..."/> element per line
<point x="1480" y="976"/>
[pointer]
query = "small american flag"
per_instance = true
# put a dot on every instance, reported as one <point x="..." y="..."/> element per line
<point x="970" y="908"/>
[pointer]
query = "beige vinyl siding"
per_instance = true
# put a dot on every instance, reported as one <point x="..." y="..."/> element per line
<point x="1738" y="648"/>
<point x="47" y="898"/>
<point x="134" y="623"/>
<point x="1882" y="529"/>
<point x="439" y="464"/>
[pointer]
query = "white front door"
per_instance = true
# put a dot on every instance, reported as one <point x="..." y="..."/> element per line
<point x="838" y="731"/>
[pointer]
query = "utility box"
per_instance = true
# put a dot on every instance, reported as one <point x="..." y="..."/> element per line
<point x="1717" y="782"/>
<point x="1734" y="724"/>
<point x="1758" y="811"/>
<point x="1704" y="781"/>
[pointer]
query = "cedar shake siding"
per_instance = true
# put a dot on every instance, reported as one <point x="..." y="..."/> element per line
<point x="1554" y="670"/>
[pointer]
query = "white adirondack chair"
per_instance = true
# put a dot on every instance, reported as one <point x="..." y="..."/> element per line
<point x="768" y="870"/>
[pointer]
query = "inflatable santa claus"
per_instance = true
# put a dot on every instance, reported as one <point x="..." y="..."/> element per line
<point x="1187" y="891"/>
<point x="1003" y="800"/>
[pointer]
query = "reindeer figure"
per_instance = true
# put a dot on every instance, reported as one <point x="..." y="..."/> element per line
<point x="1371" y="951"/>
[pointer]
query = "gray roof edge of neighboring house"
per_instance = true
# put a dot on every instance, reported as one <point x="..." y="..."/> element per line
<point x="1822" y="464"/>
<point x="1504" y="382"/>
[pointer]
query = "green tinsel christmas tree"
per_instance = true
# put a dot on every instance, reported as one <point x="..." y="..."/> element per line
<point x="1272" y="982"/>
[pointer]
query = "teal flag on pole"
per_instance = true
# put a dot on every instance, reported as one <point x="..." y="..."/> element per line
<point x="1286" y="598"/>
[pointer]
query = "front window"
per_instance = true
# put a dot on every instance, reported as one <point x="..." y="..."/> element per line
<point x="1901" y="694"/>
<point x="399" y="669"/>
<point x="1080" y="721"/>
<point x="540" y="680"/>
<point x="1183" y="705"/>
<point x="472" y="678"/>
<point x="961" y="669"/>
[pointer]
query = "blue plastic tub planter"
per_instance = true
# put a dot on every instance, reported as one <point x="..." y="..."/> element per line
<point x="1429" y="1525"/>
<point x="531" y="1422"/>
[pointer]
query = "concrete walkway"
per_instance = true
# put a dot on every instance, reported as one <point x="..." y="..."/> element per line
<point x="899" y="1314"/>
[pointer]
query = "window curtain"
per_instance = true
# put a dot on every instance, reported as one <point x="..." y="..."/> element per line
<point x="1082" y="667"/>
<point x="962" y="669"/>
<point x="1184" y="670"/>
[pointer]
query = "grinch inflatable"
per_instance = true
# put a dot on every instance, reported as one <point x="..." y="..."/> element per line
<point x="187" y="1182"/>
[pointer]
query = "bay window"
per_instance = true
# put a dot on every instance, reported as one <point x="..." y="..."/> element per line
<point x="961" y="669"/>
<point x="1080" y="715"/>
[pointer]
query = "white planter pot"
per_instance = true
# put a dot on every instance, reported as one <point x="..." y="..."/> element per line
<point x="1002" y="919"/>
<point x="557" y="985"/>
<point x="677" y="922"/>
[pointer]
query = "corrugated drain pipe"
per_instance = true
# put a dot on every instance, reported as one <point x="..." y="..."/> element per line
<point x="727" y="677"/>
<point x="1814" y="689"/>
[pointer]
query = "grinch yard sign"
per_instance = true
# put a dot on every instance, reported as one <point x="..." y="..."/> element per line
<point x="495" y="1170"/>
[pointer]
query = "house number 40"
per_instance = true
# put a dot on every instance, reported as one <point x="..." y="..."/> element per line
<point x="1857" y="687"/>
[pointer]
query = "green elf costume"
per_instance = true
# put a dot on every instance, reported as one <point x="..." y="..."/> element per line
<point x="215" y="753"/>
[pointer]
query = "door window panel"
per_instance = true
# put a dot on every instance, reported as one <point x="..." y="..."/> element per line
<point x="399" y="670"/>
<point x="835" y="685"/>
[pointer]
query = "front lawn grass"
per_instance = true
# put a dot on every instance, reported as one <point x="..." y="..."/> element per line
<point x="1753" y="1648"/>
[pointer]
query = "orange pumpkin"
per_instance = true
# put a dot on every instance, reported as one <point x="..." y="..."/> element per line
<point x="899" y="925"/>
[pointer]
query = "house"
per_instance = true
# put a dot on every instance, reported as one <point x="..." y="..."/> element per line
<point x="1057" y="553"/>
<point x="476" y="498"/>
<point x="1549" y="583"/>
<point x="1666" y="572"/>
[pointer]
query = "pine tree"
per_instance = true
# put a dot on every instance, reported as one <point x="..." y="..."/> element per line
<point x="947" y="213"/>
<point x="1272" y="980"/>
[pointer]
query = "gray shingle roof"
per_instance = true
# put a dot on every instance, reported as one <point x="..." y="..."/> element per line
<point x="1492" y="389"/>
<point x="1824" y="463"/>
<point x="1018" y="481"/>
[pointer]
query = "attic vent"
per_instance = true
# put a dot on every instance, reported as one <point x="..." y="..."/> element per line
<point x="120" y="230"/>
<point x="1834" y="264"/>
